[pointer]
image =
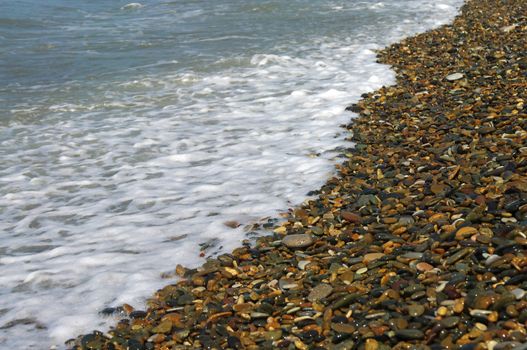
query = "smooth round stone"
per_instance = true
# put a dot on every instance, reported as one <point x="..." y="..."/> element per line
<point x="491" y="259"/>
<point x="163" y="327"/>
<point x="273" y="335"/>
<point x="398" y="323"/>
<point x="412" y="255"/>
<point x="409" y="334"/>
<point x="504" y="300"/>
<point x="454" y="76"/>
<point x="347" y="276"/>
<point x="449" y="322"/>
<point x="483" y="239"/>
<point x="317" y="230"/>
<point x="465" y="232"/>
<point x="518" y="293"/>
<point x="297" y="241"/>
<point x="321" y="291"/>
<point x="423" y="266"/>
<point x="371" y="344"/>
<point x="287" y="283"/>
<point x="361" y="271"/>
<point x="483" y="302"/>
<point x="343" y="328"/>
<point x="511" y="311"/>
<point x="406" y="220"/>
<point x="479" y="313"/>
<point x="416" y="310"/>
<point x="350" y="217"/>
<point x="259" y="315"/>
<point x="372" y="257"/>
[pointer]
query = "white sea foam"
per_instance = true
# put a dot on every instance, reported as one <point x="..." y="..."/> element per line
<point x="99" y="196"/>
<point x="132" y="6"/>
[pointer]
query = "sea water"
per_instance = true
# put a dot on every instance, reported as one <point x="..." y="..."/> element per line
<point x="130" y="133"/>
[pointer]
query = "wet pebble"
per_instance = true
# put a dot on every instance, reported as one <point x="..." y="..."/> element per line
<point x="321" y="291"/>
<point x="297" y="241"/>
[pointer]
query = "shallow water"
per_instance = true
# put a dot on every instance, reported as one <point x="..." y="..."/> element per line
<point x="129" y="134"/>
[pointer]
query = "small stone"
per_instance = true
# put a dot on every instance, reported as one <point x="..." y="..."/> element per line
<point x="348" y="276"/>
<point x="259" y="315"/>
<point x="409" y="334"/>
<point x="350" y="217"/>
<point x="343" y="328"/>
<point x="449" y="322"/>
<point x="416" y="310"/>
<point x="493" y="316"/>
<point x="458" y="255"/>
<point x="459" y="305"/>
<point x="163" y="327"/>
<point x="321" y="291"/>
<point x="518" y="293"/>
<point x="243" y="307"/>
<point x="442" y="311"/>
<point x="511" y="311"/>
<point x="504" y="300"/>
<point x="372" y="257"/>
<point x="232" y="224"/>
<point x="156" y="338"/>
<point x="361" y="270"/>
<point x="406" y="220"/>
<point x="491" y="258"/>
<point x="479" y="313"/>
<point x="412" y="255"/>
<point x="454" y="76"/>
<point x="465" y="232"/>
<point x="345" y="301"/>
<point x="180" y="270"/>
<point x="423" y="266"/>
<point x="371" y="344"/>
<point x="298" y="241"/>
<point x="287" y="283"/>
<point x="483" y="302"/>
<point x="480" y="326"/>
<point x="273" y="335"/>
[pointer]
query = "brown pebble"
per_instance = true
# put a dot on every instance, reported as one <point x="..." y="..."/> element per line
<point x="368" y="258"/>
<point x="465" y="232"/>
<point x="350" y="217"/>
<point x="423" y="266"/>
<point x="371" y="344"/>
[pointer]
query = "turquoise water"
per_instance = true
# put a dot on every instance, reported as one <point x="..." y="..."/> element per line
<point x="130" y="133"/>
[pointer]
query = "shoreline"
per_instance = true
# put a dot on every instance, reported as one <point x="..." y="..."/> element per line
<point x="419" y="239"/>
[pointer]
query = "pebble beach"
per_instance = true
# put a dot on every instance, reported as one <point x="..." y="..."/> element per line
<point x="419" y="241"/>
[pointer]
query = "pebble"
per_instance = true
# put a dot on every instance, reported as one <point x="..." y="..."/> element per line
<point x="321" y="291"/>
<point x="343" y="328"/>
<point x="409" y="334"/>
<point x="454" y="76"/>
<point x="351" y="217"/>
<point x="163" y="327"/>
<point x="371" y="344"/>
<point x="423" y="266"/>
<point x="518" y="293"/>
<point x="368" y="258"/>
<point x="465" y="232"/>
<point x="449" y="322"/>
<point x="415" y="310"/>
<point x="297" y="241"/>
